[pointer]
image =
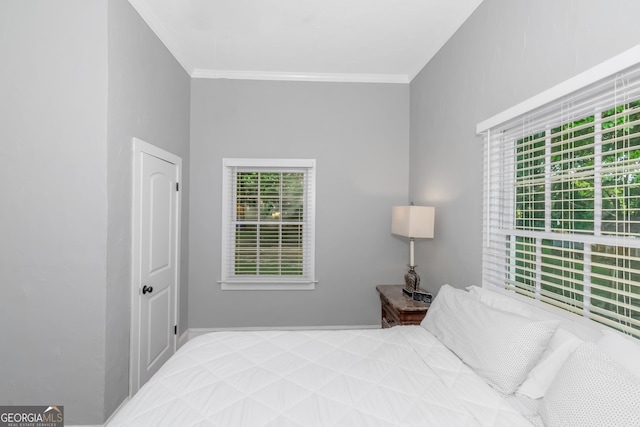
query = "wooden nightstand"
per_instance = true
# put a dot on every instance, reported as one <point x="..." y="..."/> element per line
<point x="398" y="308"/>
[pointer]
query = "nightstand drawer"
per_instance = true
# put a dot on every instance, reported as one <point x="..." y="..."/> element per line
<point x="399" y="309"/>
<point x="390" y="316"/>
<point x="388" y="324"/>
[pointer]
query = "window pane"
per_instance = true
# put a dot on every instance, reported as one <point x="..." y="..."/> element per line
<point x="270" y="196"/>
<point x="572" y="184"/>
<point x="562" y="274"/>
<point x="530" y="182"/>
<point x="293" y="197"/>
<point x="615" y="293"/>
<point x="621" y="169"/>
<point x="270" y="259"/>
<point x="246" y="251"/>
<point x="246" y="196"/>
<point x="292" y="239"/>
<point x="524" y="265"/>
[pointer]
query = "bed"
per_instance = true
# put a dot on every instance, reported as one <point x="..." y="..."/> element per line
<point x="465" y="365"/>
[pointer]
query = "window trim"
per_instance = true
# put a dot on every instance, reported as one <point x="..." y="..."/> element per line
<point x="278" y="283"/>
<point x="618" y="63"/>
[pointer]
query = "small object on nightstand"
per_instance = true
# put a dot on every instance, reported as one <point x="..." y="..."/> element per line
<point x="399" y="309"/>
<point x="422" y="296"/>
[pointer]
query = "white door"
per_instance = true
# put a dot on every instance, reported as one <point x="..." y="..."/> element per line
<point x="156" y="241"/>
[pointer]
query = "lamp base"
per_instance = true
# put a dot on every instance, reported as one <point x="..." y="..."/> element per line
<point x="411" y="281"/>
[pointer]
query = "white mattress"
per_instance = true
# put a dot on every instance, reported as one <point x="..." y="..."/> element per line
<point x="378" y="377"/>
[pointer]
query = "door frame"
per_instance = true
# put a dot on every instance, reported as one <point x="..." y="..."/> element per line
<point x="141" y="147"/>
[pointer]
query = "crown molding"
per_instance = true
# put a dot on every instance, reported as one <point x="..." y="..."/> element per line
<point x="156" y="25"/>
<point x="304" y="77"/>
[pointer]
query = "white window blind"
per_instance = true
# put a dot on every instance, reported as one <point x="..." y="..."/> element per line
<point x="562" y="202"/>
<point x="268" y="224"/>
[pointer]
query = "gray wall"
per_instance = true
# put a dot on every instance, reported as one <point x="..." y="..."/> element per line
<point x="359" y="134"/>
<point x="506" y="52"/>
<point x="79" y="78"/>
<point x="53" y="214"/>
<point x="148" y="98"/>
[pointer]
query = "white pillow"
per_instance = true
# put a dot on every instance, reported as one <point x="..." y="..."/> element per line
<point x="625" y="351"/>
<point x="499" y="346"/>
<point x="561" y="345"/>
<point x="592" y="390"/>
<point x="512" y="302"/>
<point x="500" y="301"/>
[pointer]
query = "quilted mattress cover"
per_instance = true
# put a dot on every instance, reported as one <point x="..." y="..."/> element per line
<point x="400" y="376"/>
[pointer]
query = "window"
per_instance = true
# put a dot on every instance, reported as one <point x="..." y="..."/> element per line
<point x="268" y="230"/>
<point x="562" y="202"/>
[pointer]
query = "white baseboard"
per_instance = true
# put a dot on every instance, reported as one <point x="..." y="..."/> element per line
<point x="182" y="340"/>
<point x="124" y="402"/>
<point x="194" y="332"/>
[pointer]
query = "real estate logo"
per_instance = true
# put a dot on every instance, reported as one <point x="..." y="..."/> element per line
<point x="32" y="416"/>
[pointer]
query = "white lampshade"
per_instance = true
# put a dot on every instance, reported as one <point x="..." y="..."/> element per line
<point x="412" y="221"/>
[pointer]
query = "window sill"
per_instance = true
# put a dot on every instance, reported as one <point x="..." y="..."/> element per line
<point x="228" y="285"/>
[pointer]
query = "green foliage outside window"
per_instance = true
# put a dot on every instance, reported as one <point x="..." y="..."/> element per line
<point x="269" y="223"/>
<point x="567" y="182"/>
<point x="620" y="185"/>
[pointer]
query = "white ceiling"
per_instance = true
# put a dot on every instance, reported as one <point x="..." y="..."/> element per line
<point x="316" y="40"/>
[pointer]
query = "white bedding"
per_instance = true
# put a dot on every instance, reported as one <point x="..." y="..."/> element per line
<point x="378" y="377"/>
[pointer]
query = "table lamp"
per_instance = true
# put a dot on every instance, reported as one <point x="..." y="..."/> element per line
<point x="414" y="222"/>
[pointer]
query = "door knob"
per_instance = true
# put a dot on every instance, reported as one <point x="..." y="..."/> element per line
<point x="146" y="289"/>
